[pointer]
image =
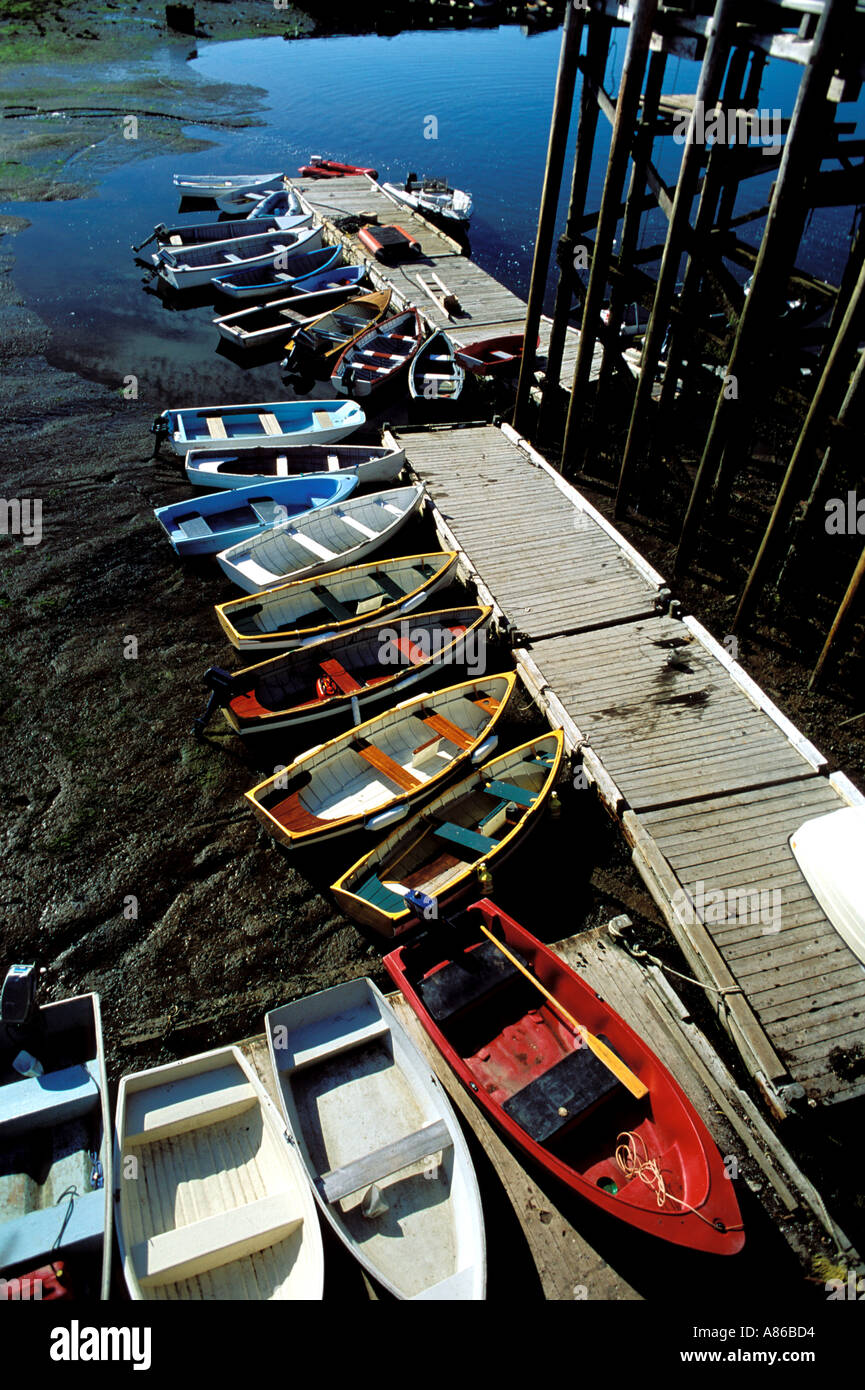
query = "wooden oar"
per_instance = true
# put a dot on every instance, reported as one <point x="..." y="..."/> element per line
<point x="603" y="1053"/>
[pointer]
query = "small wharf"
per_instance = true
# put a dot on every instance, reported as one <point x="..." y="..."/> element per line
<point x="488" y="307"/>
<point x="706" y="777"/>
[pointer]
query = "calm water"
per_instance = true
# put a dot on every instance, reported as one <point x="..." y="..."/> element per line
<point x="365" y="100"/>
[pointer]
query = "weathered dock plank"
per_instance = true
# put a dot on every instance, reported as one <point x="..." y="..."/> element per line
<point x="663" y="715"/>
<point x="804" y="984"/>
<point x="526" y="537"/>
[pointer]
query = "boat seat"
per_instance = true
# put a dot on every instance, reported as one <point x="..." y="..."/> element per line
<point x="323" y="418"/>
<point x="390" y="1158"/>
<point x="247" y="706"/>
<point x="387" y="585"/>
<point x="461" y="983"/>
<point x="313" y="1045"/>
<point x="282" y="469"/>
<point x="53" y="1099"/>
<point x="359" y="526"/>
<point x="456" y="1288"/>
<point x="257" y="573"/>
<point x="389" y="507"/>
<point x="410" y="650"/>
<point x="216" y="1240"/>
<point x="576" y="1085"/>
<point x="293" y="815"/>
<point x="321" y="551"/>
<point x="343" y="678"/>
<point x="193" y="1103"/>
<point x="216" y="427"/>
<point x="332" y="604"/>
<point x="333" y="463"/>
<point x="498" y="352"/>
<point x="452" y="732"/>
<point x="509" y="792"/>
<point x="175" y="241"/>
<point x="195" y="527"/>
<point x="269" y="423"/>
<point x="466" y="839"/>
<point x="372" y="890"/>
<point x="387" y="766"/>
<point x="30" y="1240"/>
<point x="485" y="703"/>
<point x="269" y="512"/>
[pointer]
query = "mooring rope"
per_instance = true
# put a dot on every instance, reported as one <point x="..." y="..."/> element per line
<point x="648" y="1171"/>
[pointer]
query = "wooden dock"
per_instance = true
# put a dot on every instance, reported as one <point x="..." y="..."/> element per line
<point x="706" y="777"/>
<point x="487" y="306"/>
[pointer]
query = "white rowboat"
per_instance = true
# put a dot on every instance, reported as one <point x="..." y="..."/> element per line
<point x="212" y="1201"/>
<point x="381" y="1145"/>
<point x="338" y="535"/>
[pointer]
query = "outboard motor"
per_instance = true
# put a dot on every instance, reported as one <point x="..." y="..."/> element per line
<point x="222" y="687"/>
<point x="20" y="1021"/>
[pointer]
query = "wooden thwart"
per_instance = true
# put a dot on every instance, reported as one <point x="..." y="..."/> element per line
<point x="390" y="1158"/>
<point x="388" y="767"/>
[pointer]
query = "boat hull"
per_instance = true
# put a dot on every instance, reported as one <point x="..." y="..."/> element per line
<point x="297" y="422"/>
<point x="519" y="1040"/>
<point x="356" y="671"/>
<point x="223" y="1208"/>
<point x="238" y="515"/>
<point x="387" y="765"/>
<point x="51" y="1126"/>
<point x="311" y="547"/>
<point x="291" y="615"/>
<point x="261" y="467"/>
<point x="185" y="275"/>
<point x="444" y="866"/>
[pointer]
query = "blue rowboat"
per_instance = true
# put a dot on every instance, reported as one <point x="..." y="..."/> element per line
<point x="213" y="427"/>
<point x="203" y="525"/>
<point x="259" y="282"/>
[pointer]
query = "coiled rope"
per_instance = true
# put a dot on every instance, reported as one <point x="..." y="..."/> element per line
<point x="633" y="1165"/>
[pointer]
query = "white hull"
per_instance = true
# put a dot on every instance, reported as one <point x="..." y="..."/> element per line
<point x="212" y="1202"/>
<point x="201" y="471"/>
<point x="384" y="1151"/>
<point x="185" y="277"/>
<point x="329" y="541"/>
<point x="222" y="185"/>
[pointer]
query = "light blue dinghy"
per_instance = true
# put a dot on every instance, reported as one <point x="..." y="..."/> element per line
<point x="203" y="525"/>
<point x="298" y="274"/>
<point x="272" y="423"/>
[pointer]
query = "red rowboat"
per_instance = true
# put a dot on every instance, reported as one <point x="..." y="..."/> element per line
<point x="332" y="169"/>
<point x="492" y="356"/>
<point x="650" y="1162"/>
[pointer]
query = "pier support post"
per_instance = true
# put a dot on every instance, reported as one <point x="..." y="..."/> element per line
<point x="593" y="67"/>
<point x="627" y="106"/>
<point x="843" y="618"/>
<point x="708" y="88"/>
<point x="776" y="259"/>
<point x="828" y="390"/>
<point x="718" y="168"/>
<point x="642" y="154"/>
<point x="559" y="125"/>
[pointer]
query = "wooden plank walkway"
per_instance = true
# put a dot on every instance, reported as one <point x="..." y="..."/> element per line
<point x="684" y="749"/>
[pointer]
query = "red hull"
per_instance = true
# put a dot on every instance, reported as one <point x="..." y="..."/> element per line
<point x="502" y="1042"/>
<point x="332" y="169"/>
<point x="492" y="356"/>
